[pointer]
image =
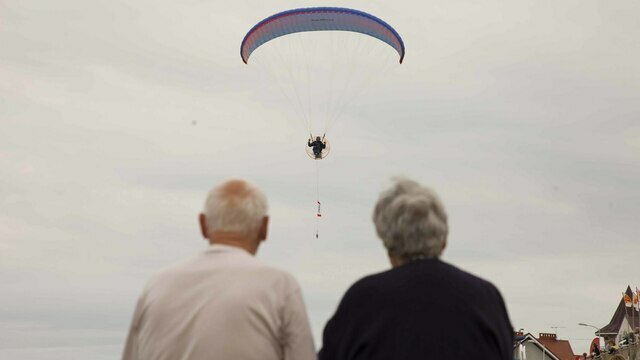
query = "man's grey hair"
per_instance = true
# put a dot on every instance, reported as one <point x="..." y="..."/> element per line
<point x="235" y="206"/>
<point x="411" y="220"/>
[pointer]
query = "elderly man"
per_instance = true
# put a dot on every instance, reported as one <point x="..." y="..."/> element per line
<point x="223" y="303"/>
<point x="423" y="308"/>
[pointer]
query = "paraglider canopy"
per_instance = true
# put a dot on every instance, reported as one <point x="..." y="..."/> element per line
<point x="319" y="19"/>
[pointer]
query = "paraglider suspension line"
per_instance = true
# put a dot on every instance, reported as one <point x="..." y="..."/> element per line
<point x="318" y="213"/>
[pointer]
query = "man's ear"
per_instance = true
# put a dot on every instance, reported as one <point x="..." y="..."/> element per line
<point x="262" y="234"/>
<point x="203" y="225"/>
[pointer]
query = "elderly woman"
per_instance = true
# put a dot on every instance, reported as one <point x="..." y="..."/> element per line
<point x="423" y="308"/>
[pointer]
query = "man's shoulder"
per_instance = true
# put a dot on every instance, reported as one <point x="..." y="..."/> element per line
<point x="169" y="272"/>
<point x="275" y="273"/>
<point x="238" y="267"/>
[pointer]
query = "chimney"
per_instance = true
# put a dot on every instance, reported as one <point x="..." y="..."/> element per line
<point x="549" y="336"/>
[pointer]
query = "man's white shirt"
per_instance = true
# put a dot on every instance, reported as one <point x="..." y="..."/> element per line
<point x="222" y="304"/>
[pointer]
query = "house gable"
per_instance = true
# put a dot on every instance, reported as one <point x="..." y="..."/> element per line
<point x="621" y="319"/>
<point x="533" y="349"/>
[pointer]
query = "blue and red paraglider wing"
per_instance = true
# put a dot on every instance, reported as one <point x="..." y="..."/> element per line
<point x="319" y="19"/>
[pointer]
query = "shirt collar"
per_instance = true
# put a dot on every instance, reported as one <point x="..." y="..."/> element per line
<point x="221" y="248"/>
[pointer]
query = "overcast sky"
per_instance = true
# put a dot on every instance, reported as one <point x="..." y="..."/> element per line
<point x="117" y="117"/>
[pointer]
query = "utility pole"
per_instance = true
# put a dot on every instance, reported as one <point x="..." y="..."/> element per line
<point x="597" y="333"/>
